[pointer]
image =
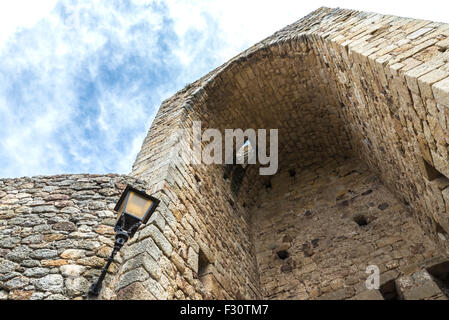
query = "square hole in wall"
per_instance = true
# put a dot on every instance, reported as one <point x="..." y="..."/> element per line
<point x="283" y="254"/>
<point x="292" y="172"/>
<point x="237" y="178"/>
<point x="440" y="273"/>
<point x="227" y="171"/>
<point x="388" y="290"/>
<point x="361" y="220"/>
<point x="203" y="264"/>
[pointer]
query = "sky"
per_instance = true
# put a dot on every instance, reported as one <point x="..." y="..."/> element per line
<point x="81" y="80"/>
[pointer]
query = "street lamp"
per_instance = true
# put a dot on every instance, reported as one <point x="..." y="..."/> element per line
<point x="134" y="208"/>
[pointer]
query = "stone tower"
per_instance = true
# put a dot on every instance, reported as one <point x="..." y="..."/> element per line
<point x="361" y="101"/>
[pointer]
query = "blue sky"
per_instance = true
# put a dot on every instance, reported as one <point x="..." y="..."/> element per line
<point x="80" y="81"/>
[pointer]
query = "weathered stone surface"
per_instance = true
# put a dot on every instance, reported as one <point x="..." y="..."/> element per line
<point x="105" y="230"/>
<point x="152" y="267"/>
<point x="73" y="254"/>
<point x="343" y="88"/>
<point x="135" y="291"/>
<point x="418" y="286"/>
<point x="95" y="262"/>
<point x="76" y="286"/>
<point x="33" y="239"/>
<point x="38" y="296"/>
<point x="156" y="289"/>
<point x="9" y="242"/>
<point x="20" y="295"/>
<point x="162" y="242"/>
<point x="16" y="283"/>
<point x="126" y="279"/>
<point x="7" y="266"/>
<point x="51" y="282"/>
<point x="3" y="295"/>
<point x="30" y="263"/>
<point x="332" y="251"/>
<point x="36" y="272"/>
<point x="54" y="237"/>
<point x="44" y="209"/>
<point x="64" y="226"/>
<point x="50" y="235"/>
<point x="72" y="270"/>
<point x="371" y="92"/>
<point x="56" y="297"/>
<point x="340" y="294"/>
<point x="44" y="254"/>
<point x="19" y="253"/>
<point x="70" y="210"/>
<point x="147" y="245"/>
<point x="178" y="262"/>
<point x="441" y="91"/>
<point x="104" y="251"/>
<point x="368" y="295"/>
<point x="54" y="263"/>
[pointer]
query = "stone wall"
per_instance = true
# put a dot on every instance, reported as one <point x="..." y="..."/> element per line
<point x="56" y="234"/>
<point x="317" y="232"/>
<point x="339" y="85"/>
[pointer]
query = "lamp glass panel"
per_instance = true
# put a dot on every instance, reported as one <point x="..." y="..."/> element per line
<point x="137" y="205"/>
<point x="120" y="210"/>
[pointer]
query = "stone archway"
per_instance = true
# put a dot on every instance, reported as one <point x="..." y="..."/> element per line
<point x="338" y="84"/>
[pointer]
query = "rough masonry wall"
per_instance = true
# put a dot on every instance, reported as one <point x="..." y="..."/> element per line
<point x="336" y="83"/>
<point x="196" y="224"/>
<point x="56" y="234"/>
<point x="206" y="220"/>
<point x="390" y="76"/>
<point x="309" y="244"/>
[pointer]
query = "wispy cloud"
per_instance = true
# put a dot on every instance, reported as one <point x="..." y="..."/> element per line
<point x="80" y="81"/>
<point x="78" y="94"/>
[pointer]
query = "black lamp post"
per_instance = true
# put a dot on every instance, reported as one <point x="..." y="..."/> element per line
<point x="134" y="208"/>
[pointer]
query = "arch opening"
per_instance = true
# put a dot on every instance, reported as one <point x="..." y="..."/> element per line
<point x="346" y="105"/>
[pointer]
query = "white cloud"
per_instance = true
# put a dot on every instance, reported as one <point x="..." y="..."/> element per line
<point x="78" y="93"/>
<point x="243" y="23"/>
<point x="21" y="14"/>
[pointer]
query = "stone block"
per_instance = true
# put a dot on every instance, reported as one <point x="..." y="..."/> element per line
<point x="72" y="270"/>
<point x="417" y="286"/>
<point x="72" y="254"/>
<point x="52" y="282"/>
<point x="157" y="236"/>
<point x="138" y="274"/>
<point x="368" y="295"/>
<point x="426" y="81"/>
<point x="135" y="291"/>
<point x="441" y="91"/>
